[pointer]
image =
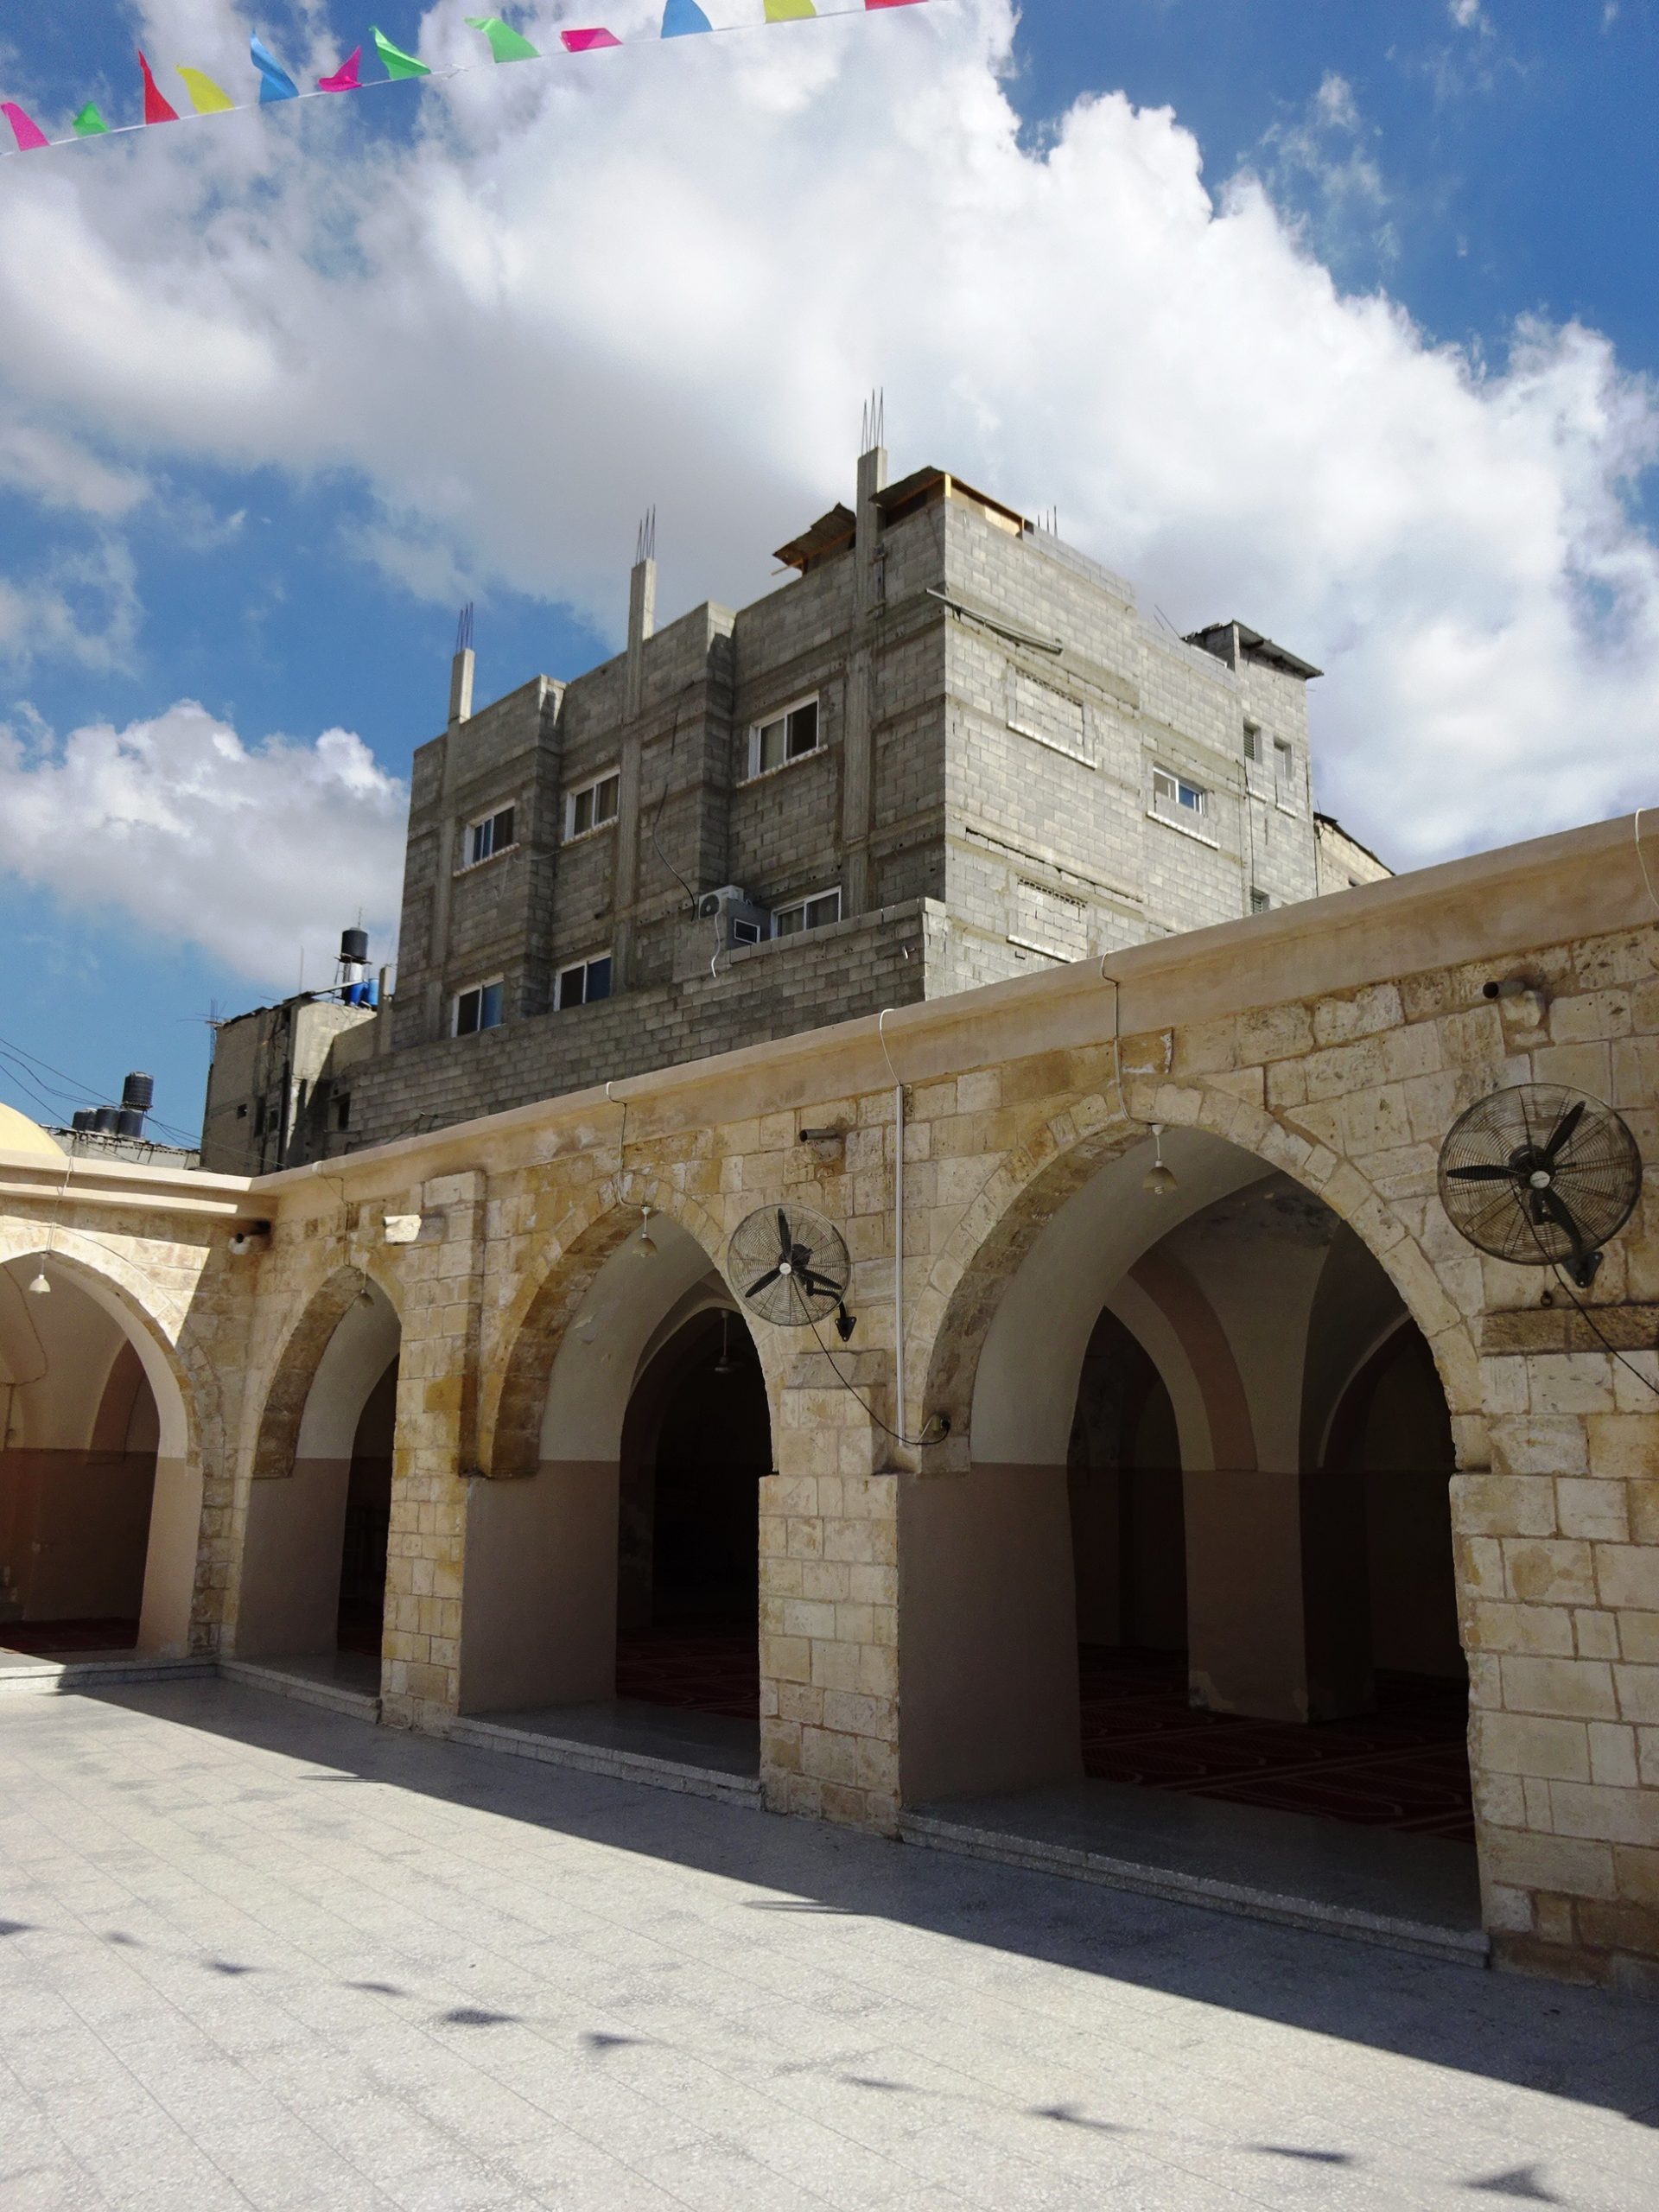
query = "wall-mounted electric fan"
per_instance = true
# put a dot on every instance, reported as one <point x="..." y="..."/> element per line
<point x="790" y="1266"/>
<point x="1541" y="1176"/>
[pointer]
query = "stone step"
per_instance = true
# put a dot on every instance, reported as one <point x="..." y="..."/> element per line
<point x="936" y="1831"/>
<point x="26" y="1676"/>
<point x="694" y="1781"/>
<point x="308" y="1689"/>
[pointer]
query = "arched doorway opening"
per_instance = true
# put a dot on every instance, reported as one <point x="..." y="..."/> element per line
<point x="100" y="1514"/>
<point x="312" y="1596"/>
<point x="697" y="1442"/>
<point x="1202" y="1551"/>
<point x="611" y="1597"/>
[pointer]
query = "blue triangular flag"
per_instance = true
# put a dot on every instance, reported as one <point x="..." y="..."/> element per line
<point x="681" y="17"/>
<point x="275" y="83"/>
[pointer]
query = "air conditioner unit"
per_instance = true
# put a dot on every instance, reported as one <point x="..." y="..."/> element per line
<point x="737" y="919"/>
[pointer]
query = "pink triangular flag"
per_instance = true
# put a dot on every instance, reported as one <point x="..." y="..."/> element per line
<point x="586" y="42"/>
<point x="345" y="78"/>
<point x="28" y="133"/>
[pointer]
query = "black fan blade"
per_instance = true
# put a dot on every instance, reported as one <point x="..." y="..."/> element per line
<point x="1562" y="1131"/>
<point x="1552" y="1203"/>
<point x="820" y="1283"/>
<point x="755" y="1289"/>
<point x="784" y="1237"/>
<point x="1481" y="1175"/>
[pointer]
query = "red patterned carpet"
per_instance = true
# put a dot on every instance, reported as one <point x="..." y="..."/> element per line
<point x="52" y="1639"/>
<point x="700" y="1669"/>
<point x="1405" y="1766"/>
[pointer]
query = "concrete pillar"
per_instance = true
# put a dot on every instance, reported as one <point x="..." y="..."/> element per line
<point x="869" y="597"/>
<point x="1277" y="1604"/>
<point x="642" y="617"/>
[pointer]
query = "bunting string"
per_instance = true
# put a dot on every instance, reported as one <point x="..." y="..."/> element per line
<point x="681" y="19"/>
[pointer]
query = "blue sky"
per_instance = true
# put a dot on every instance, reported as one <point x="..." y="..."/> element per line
<point x="1478" y="166"/>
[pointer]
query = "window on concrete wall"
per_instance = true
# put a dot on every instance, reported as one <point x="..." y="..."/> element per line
<point x="489" y="835"/>
<point x="789" y="735"/>
<point x="807" y="914"/>
<point x="592" y="804"/>
<point x="1253" y="742"/>
<point x="585" y="981"/>
<point x="1174" y="796"/>
<point x="1048" y="921"/>
<point x="479" y="1007"/>
<point x="1260" y="902"/>
<point x="1052" y="717"/>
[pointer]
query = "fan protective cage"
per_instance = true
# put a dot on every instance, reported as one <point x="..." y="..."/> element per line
<point x="1489" y="1151"/>
<point x="788" y="1264"/>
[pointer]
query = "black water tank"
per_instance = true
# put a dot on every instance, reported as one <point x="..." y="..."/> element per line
<point x="354" y="946"/>
<point x="129" y="1122"/>
<point x="85" y="1118"/>
<point x="137" y="1091"/>
<point x="107" y="1120"/>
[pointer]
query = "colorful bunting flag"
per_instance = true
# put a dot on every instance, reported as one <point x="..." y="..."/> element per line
<point x="345" y="79"/>
<point x="156" y="109"/>
<point x="205" y="96"/>
<point x="682" y="18"/>
<point x="506" y="43"/>
<point x="399" y="64"/>
<point x="275" y="83"/>
<point x="28" y="133"/>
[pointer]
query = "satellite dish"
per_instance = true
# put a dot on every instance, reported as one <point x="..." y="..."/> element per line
<point x="789" y="1266"/>
<point x="1541" y="1176"/>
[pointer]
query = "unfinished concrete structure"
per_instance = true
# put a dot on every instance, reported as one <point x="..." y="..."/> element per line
<point x="1255" y="1442"/>
<point x="949" y="750"/>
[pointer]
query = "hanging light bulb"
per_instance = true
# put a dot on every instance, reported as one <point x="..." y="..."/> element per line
<point x="42" y="1286"/>
<point x="647" y="1245"/>
<point x="1159" y="1179"/>
<point x="725" y="1365"/>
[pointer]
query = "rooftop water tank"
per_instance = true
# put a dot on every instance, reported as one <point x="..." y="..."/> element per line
<point x="355" y="947"/>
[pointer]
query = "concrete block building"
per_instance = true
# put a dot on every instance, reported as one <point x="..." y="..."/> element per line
<point x="949" y="751"/>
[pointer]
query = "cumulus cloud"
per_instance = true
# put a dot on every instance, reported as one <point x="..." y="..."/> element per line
<point x="666" y="275"/>
<point x="175" y="826"/>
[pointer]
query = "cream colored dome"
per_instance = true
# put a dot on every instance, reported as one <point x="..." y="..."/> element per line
<point x="19" y="1134"/>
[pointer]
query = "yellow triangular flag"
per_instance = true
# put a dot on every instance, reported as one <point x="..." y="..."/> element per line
<point x="788" y="11"/>
<point x="205" y="96"/>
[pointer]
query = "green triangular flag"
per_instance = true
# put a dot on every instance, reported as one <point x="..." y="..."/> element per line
<point x="506" y="43"/>
<point x="399" y="64"/>
<point x="89" y="123"/>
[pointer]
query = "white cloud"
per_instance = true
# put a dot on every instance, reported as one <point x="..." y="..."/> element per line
<point x="1468" y="14"/>
<point x="80" y="607"/>
<point x="180" y="829"/>
<point x="669" y="274"/>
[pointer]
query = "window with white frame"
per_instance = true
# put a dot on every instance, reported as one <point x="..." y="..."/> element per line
<point x="592" y="804"/>
<point x="787" y="736"/>
<point x="585" y="981"/>
<point x="1182" y="801"/>
<point x="489" y="835"/>
<point x="1261" y="902"/>
<point x="479" y="1009"/>
<point x="807" y="914"/>
<point x="1284" y="769"/>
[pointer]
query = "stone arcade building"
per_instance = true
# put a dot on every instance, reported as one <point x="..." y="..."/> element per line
<point x="424" y="1429"/>
<point x="949" y="751"/>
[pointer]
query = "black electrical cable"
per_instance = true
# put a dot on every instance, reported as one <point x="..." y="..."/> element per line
<point x="852" y="1390"/>
<point x="1606" y="1343"/>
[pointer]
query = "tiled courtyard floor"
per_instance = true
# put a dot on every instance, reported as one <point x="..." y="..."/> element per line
<point x="252" y="1953"/>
